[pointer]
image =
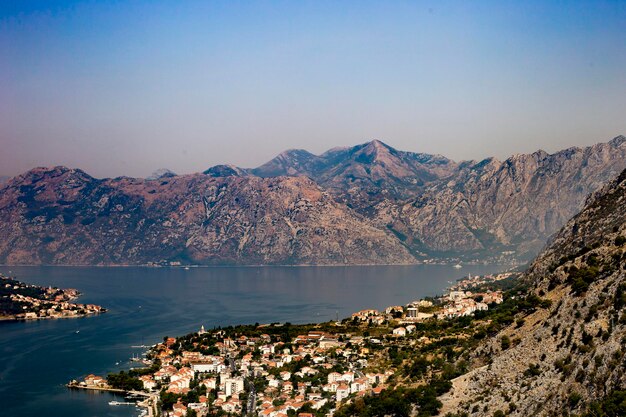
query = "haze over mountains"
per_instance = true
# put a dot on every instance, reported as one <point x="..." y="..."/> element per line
<point x="365" y="204"/>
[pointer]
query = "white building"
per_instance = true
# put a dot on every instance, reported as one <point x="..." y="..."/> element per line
<point x="343" y="391"/>
<point x="399" y="332"/>
<point x="232" y="386"/>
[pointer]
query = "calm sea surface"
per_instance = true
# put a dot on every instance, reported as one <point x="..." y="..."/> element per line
<point x="145" y="304"/>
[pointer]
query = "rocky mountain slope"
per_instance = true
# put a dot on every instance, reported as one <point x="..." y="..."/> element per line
<point x="364" y="174"/>
<point x="438" y="207"/>
<point x="380" y="205"/>
<point x="492" y="206"/>
<point x="570" y="357"/>
<point x="64" y="216"/>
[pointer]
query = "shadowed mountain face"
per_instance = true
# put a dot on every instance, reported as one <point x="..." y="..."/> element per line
<point x="365" y="204"/>
<point x="576" y="346"/>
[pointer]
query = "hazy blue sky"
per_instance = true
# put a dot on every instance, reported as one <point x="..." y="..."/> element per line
<point x="117" y="87"/>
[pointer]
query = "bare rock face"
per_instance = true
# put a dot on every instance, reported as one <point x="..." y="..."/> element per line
<point x="494" y="206"/>
<point x="64" y="216"/>
<point x="287" y="220"/>
<point x="568" y="355"/>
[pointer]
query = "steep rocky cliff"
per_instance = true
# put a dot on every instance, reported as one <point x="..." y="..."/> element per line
<point x="493" y="206"/>
<point x="570" y="357"/>
<point x="64" y="216"/>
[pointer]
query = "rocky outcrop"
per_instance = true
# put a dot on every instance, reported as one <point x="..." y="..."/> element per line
<point x="571" y="354"/>
<point x="64" y="216"/>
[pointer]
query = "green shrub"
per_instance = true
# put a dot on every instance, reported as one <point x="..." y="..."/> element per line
<point x="505" y="342"/>
<point x="573" y="399"/>
<point x="533" y="370"/>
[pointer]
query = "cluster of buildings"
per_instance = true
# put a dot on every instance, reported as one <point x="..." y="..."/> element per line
<point x="26" y="301"/>
<point x="478" y="280"/>
<point x="466" y="303"/>
<point x="270" y="377"/>
<point x="405" y="314"/>
<point x="458" y="302"/>
<point x="35" y="308"/>
<point x="316" y="369"/>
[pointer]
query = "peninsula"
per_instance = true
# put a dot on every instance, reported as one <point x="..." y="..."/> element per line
<point x="21" y="301"/>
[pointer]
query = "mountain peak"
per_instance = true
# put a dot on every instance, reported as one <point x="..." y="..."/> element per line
<point x="618" y="140"/>
<point x="379" y="145"/>
<point x="295" y="153"/>
<point x="225" y="170"/>
<point x="374" y="151"/>
<point x="161" y="173"/>
<point x="292" y="162"/>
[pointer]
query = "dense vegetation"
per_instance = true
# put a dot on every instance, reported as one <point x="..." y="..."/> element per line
<point x="124" y="380"/>
<point x="399" y="402"/>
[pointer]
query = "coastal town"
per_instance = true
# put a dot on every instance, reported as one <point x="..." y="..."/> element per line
<point x="21" y="301"/>
<point x="280" y="369"/>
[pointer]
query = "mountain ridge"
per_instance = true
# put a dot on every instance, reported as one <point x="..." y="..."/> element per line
<point x="64" y="216"/>
<point x="418" y="206"/>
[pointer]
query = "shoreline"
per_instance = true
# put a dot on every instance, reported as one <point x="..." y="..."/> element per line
<point x="82" y="316"/>
<point x="388" y="330"/>
<point x="450" y="264"/>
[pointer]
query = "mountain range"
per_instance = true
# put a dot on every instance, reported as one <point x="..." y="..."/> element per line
<point x="367" y="204"/>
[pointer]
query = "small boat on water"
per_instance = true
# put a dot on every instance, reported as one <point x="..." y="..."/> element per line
<point x="457" y="266"/>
